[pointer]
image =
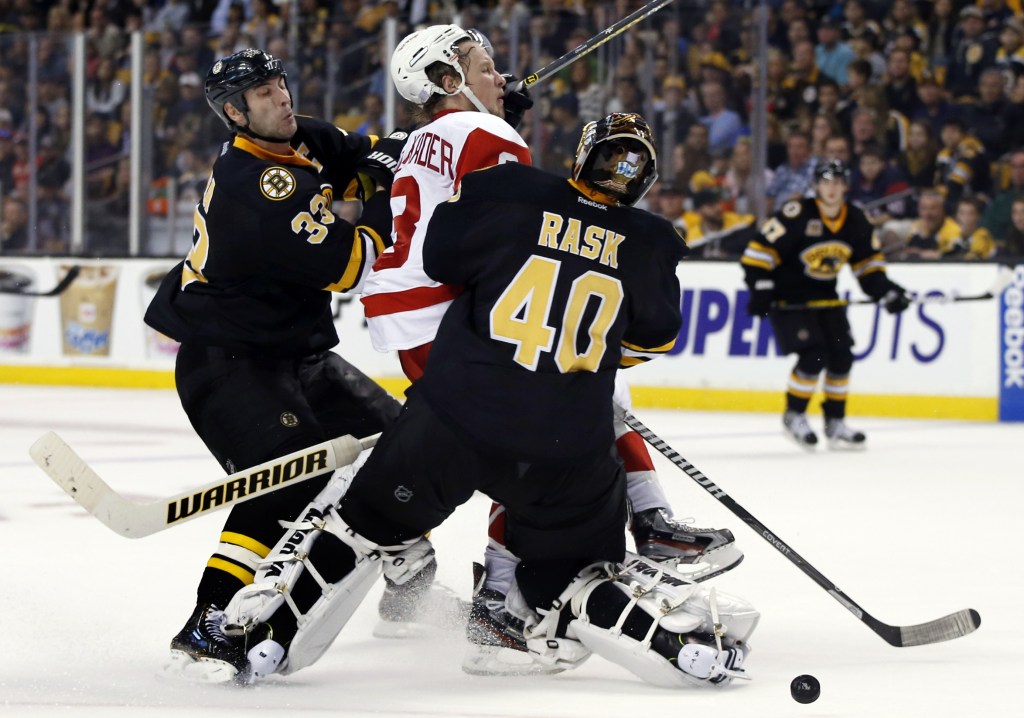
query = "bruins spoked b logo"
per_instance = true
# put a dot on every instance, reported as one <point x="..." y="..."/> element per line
<point x="277" y="183"/>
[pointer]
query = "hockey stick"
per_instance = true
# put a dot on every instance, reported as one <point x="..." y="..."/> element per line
<point x="592" y="44"/>
<point x="134" y="520"/>
<point x="60" y="287"/>
<point x="946" y="628"/>
<point x="1003" y="279"/>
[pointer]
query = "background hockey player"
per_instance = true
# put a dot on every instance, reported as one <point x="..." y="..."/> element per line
<point x="450" y="76"/>
<point x="250" y="305"/>
<point x="564" y="282"/>
<point x="795" y="260"/>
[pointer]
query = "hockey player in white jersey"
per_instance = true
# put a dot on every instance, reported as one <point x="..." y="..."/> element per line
<point x="448" y="73"/>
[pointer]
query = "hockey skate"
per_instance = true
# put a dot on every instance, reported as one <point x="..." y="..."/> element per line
<point x="710" y="551"/>
<point x="797" y="428"/>
<point x="202" y="652"/>
<point x="841" y="436"/>
<point x="496" y="643"/>
<point x="419" y="607"/>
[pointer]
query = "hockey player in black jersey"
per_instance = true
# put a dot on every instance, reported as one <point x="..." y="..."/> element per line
<point x="251" y="306"/>
<point x="563" y="282"/>
<point x="795" y="260"/>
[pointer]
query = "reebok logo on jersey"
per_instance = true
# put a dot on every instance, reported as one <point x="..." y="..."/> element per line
<point x="592" y="203"/>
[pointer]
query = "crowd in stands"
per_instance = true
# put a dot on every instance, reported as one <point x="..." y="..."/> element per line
<point x="924" y="99"/>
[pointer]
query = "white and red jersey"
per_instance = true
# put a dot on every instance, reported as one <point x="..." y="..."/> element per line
<point x="403" y="305"/>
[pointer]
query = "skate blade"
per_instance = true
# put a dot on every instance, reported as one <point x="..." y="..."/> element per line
<point x="809" y="448"/>
<point x="180" y="666"/>
<point x="501" y="661"/>
<point x="840" y="445"/>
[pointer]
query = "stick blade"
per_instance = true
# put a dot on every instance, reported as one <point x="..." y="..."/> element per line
<point x="60" y="462"/>
<point x="947" y="628"/>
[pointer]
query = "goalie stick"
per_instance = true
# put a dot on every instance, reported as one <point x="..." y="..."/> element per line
<point x="613" y="30"/>
<point x="134" y="520"/>
<point x="955" y="625"/>
<point x="1003" y="279"/>
<point x="63" y="284"/>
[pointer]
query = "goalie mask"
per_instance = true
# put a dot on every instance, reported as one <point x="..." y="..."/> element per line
<point x="616" y="156"/>
<point x="231" y="76"/>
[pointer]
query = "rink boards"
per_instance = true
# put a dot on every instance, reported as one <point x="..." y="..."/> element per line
<point x="951" y="360"/>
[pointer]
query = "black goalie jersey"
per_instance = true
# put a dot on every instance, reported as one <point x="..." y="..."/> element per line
<point x="803" y="251"/>
<point x="268" y="249"/>
<point x="559" y="292"/>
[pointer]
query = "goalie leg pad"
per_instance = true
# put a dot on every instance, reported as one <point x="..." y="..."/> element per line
<point x="663" y="629"/>
<point x="318" y="624"/>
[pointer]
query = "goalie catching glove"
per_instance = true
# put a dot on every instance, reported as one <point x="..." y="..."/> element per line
<point x="378" y="167"/>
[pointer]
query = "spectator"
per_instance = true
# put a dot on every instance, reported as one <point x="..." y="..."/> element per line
<point x="975" y="241"/>
<point x="974" y="51"/>
<point x="724" y="125"/>
<point x="865" y="49"/>
<point x="736" y="184"/>
<point x="931" y="236"/>
<point x="894" y="124"/>
<point x="714" y="233"/>
<point x="823" y="126"/>
<point x="105" y="93"/>
<point x="671" y="119"/>
<point x="694" y="154"/>
<point x="918" y="161"/>
<point x="941" y="29"/>
<point x="627" y="97"/>
<point x="1010" y="55"/>
<point x="872" y="180"/>
<point x="831" y="55"/>
<point x="997" y="215"/>
<point x="793" y="179"/>
<point x="566" y="129"/>
<point x="800" y="88"/>
<point x="373" y="111"/>
<point x="865" y="131"/>
<point x="989" y="117"/>
<point x="589" y="93"/>
<point x="1012" y="243"/>
<point x="14" y="228"/>
<point x="859" y="74"/>
<point x="671" y="198"/>
<point x="934" y="108"/>
<point x="903" y="18"/>
<point x="838" y="148"/>
<point x="900" y="85"/>
<point x="173" y="16"/>
<point x="856" y="21"/>
<point x="961" y="167"/>
<point x="996" y="14"/>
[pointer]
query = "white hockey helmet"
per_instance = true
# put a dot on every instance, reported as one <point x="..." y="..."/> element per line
<point x="420" y="50"/>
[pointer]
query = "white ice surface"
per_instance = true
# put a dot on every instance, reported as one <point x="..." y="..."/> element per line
<point x="922" y="524"/>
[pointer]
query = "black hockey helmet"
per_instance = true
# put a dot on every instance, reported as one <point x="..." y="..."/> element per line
<point x="231" y="76"/>
<point x="616" y="155"/>
<point x="830" y="170"/>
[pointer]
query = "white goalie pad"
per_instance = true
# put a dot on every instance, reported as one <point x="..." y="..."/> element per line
<point x="319" y="624"/>
<point x="692" y="612"/>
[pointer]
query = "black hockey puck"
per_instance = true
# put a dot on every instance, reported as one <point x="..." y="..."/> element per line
<point x="805" y="689"/>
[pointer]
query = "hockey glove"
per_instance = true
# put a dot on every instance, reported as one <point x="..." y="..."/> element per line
<point x="379" y="166"/>
<point x="762" y="296"/>
<point x="517" y="102"/>
<point x="895" y="300"/>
